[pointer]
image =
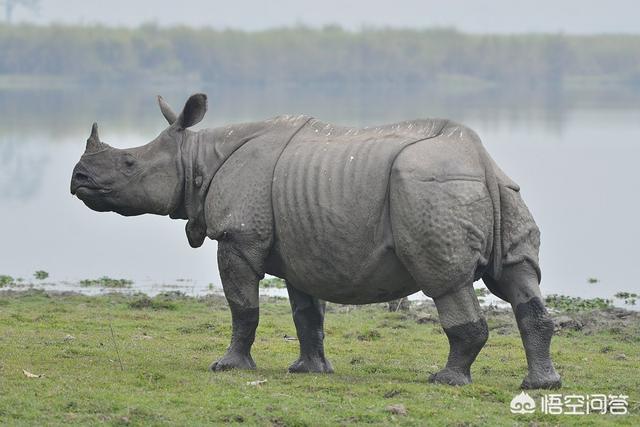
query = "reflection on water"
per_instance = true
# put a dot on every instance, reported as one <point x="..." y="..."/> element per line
<point x="574" y="161"/>
<point x="22" y="170"/>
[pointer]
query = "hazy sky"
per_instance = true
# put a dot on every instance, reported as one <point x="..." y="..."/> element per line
<point x="498" y="16"/>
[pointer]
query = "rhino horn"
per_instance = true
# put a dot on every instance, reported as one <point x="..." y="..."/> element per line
<point x="94" y="132"/>
<point x="93" y="143"/>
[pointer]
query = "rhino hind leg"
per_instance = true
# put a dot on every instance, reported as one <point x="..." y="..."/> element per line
<point x="519" y="282"/>
<point x="466" y="330"/>
<point x="308" y="316"/>
<point x="439" y="231"/>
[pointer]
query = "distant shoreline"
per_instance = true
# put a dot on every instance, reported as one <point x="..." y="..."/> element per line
<point x="68" y="56"/>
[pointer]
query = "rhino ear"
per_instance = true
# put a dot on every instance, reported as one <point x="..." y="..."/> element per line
<point x="166" y="110"/>
<point x="193" y="111"/>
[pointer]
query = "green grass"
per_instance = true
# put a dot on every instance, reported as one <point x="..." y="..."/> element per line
<point x="566" y="303"/>
<point x="629" y="298"/>
<point x="165" y="345"/>
<point x="40" y="275"/>
<point x="273" y="282"/>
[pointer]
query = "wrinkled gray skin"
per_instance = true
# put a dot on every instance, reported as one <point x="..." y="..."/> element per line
<point x="346" y="215"/>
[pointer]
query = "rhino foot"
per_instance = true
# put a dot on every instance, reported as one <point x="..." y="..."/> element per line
<point x="450" y="377"/>
<point x="311" y="364"/>
<point x="551" y="381"/>
<point x="233" y="361"/>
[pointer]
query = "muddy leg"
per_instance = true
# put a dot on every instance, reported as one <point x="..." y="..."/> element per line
<point x="467" y="332"/>
<point x="308" y="316"/>
<point x="240" y="284"/>
<point x="519" y="282"/>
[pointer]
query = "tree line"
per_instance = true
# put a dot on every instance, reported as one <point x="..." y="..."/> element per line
<point x="329" y="55"/>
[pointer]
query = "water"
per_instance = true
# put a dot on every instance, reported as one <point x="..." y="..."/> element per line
<point x="575" y="161"/>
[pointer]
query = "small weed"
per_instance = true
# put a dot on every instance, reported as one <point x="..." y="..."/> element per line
<point x="628" y="297"/>
<point x="6" y="280"/>
<point x="41" y="275"/>
<point x="157" y="303"/>
<point x="481" y="292"/>
<point x="606" y="349"/>
<point x="369" y="335"/>
<point x="207" y="348"/>
<point x="152" y="377"/>
<point x="356" y="361"/>
<point x="392" y="393"/>
<point x="273" y="282"/>
<point x="232" y="419"/>
<point x="70" y="406"/>
<point x="106" y="282"/>
<point x="203" y="327"/>
<point x="566" y="303"/>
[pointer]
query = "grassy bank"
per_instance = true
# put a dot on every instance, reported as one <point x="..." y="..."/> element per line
<point x="135" y="360"/>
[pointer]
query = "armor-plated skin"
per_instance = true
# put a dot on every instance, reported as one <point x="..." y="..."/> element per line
<point x="346" y="215"/>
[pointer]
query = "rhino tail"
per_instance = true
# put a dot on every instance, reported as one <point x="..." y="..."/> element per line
<point x="494" y="192"/>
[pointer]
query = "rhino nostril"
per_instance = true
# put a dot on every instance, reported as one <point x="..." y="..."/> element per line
<point x="79" y="176"/>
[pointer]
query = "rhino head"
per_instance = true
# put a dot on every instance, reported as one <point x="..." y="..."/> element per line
<point x="139" y="180"/>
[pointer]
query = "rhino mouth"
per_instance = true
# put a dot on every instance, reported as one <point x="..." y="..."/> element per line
<point x="85" y="189"/>
<point x="83" y="185"/>
<point x="94" y="198"/>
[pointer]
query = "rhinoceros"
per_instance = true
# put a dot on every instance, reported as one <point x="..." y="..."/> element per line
<point x="346" y="215"/>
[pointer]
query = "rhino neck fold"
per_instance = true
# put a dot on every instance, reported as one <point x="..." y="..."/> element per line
<point x="202" y="154"/>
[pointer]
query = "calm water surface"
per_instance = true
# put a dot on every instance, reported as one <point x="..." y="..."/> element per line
<point x="577" y="166"/>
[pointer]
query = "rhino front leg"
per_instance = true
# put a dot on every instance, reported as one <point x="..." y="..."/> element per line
<point x="240" y="284"/>
<point x="467" y="332"/>
<point x="308" y="316"/>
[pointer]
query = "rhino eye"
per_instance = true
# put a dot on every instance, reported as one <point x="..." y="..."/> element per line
<point x="129" y="162"/>
<point x="127" y="165"/>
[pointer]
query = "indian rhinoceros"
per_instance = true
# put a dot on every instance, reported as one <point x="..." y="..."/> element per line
<point x="346" y="215"/>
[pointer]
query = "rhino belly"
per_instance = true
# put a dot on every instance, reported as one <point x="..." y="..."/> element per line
<point x="384" y="279"/>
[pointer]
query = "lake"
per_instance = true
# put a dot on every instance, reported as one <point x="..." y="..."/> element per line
<point x="576" y="162"/>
